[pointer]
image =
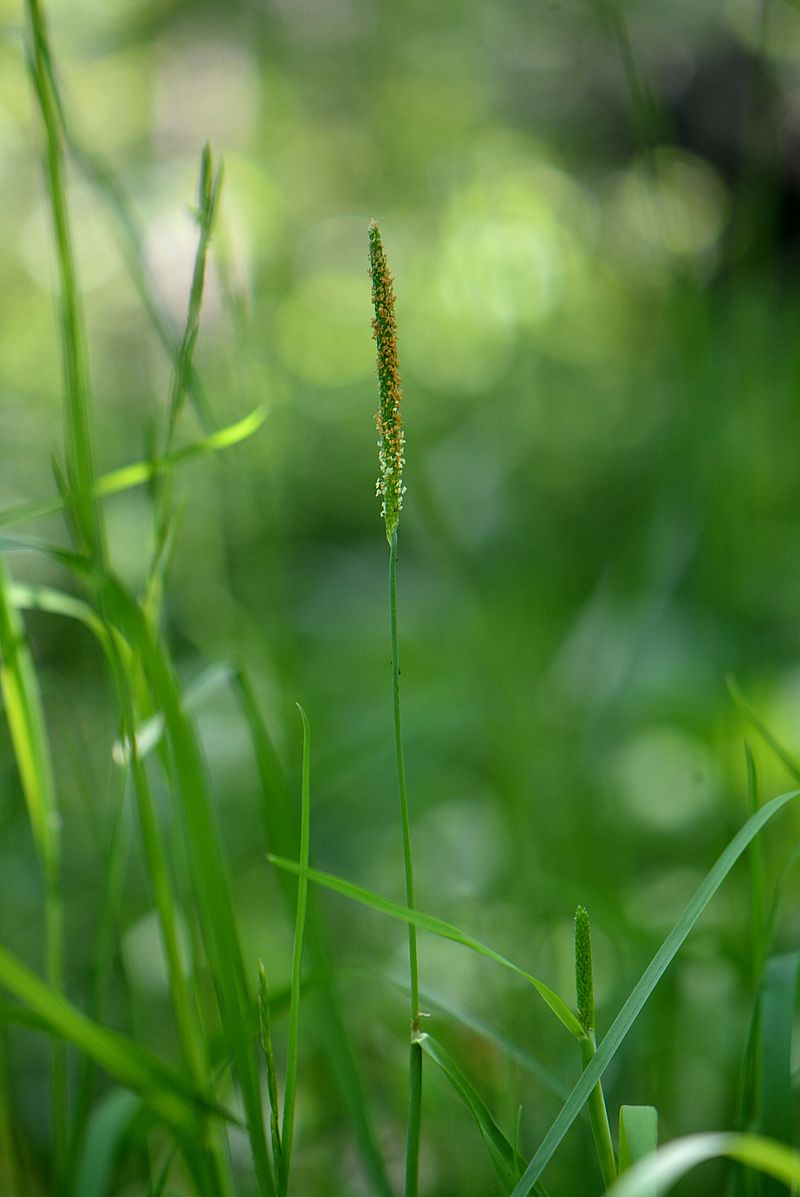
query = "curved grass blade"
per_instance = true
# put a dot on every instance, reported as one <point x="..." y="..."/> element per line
<point x="657" y="1173"/>
<point x="436" y="926"/>
<point x="547" y="1079"/>
<point x="166" y="1091"/>
<point x="504" y="1159"/>
<point x="139" y="473"/>
<point x="644" y="987"/>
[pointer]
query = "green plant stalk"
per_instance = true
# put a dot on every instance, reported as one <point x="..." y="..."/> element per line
<point x="401" y="782"/>
<point x="79" y="456"/>
<point x="598" y="1117"/>
<point x="290" y="1090"/>
<point x="415" y="1051"/>
<point x="584" y="988"/>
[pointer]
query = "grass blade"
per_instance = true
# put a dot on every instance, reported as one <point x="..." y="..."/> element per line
<point x="778" y="1001"/>
<point x="658" y="1172"/>
<point x="287" y="1126"/>
<point x="504" y="1159"/>
<point x="207" y="207"/>
<point x="638" y="1134"/>
<point x="166" y="1091"/>
<point x="436" y="926"/>
<point x="79" y="454"/>
<point x="139" y="473"/>
<point x="769" y="738"/>
<point x="547" y="1079"/>
<point x="108" y="1126"/>
<point x="644" y="988"/>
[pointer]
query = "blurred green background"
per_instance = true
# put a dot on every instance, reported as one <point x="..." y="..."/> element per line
<point x="592" y="211"/>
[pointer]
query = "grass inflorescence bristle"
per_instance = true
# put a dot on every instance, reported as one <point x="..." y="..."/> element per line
<point x="391" y="442"/>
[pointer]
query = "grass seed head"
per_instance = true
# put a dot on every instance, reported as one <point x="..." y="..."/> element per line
<point x="391" y="442"/>
<point x="584" y="981"/>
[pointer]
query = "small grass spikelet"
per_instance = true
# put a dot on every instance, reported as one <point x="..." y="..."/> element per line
<point x="584" y="980"/>
<point x="391" y="443"/>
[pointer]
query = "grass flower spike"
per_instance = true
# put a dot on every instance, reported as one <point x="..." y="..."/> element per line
<point x="391" y="444"/>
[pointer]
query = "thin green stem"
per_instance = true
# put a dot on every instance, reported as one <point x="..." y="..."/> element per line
<point x="598" y="1117"/>
<point x="401" y="782"/>
<point x="414" y="1119"/>
<point x="415" y="1056"/>
<point x="287" y="1127"/>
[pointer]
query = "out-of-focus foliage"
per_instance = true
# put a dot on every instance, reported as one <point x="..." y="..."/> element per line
<point x="592" y="213"/>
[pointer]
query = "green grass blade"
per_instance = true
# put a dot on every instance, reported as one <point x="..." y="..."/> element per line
<point x="547" y="1079"/>
<point x="26" y="720"/>
<point x="792" y="765"/>
<point x="657" y="1173"/>
<point x="108" y="1127"/>
<point x="207" y="207"/>
<point x="504" y="1159"/>
<point x="140" y="473"/>
<point x="644" y="988"/>
<point x="115" y="855"/>
<point x="287" y="1126"/>
<point x="148" y="735"/>
<point x="778" y="1002"/>
<point x="436" y="926"/>
<point x="79" y="453"/>
<point x="638" y="1134"/>
<point x="165" y="1090"/>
